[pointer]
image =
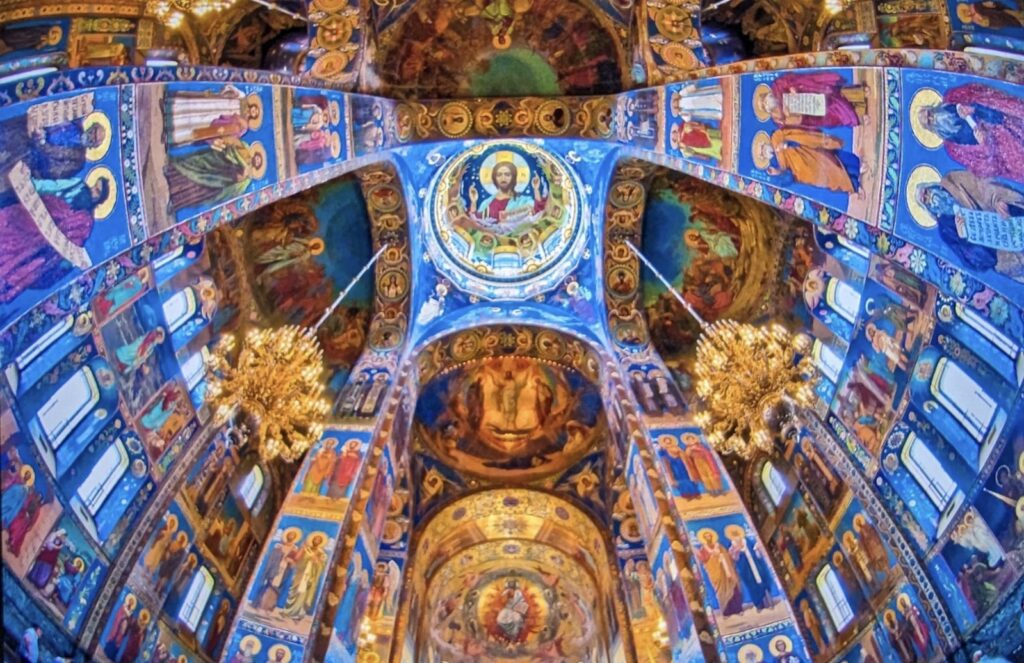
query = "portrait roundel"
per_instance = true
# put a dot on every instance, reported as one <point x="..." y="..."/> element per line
<point x="506" y="213"/>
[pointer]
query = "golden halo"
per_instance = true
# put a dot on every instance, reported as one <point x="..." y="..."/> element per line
<point x="900" y="598"/>
<point x="130" y="598"/>
<point x="292" y="532"/>
<point x="888" y="612"/>
<point x="392" y="532"/>
<point x="922" y="175"/>
<point x="760" y="92"/>
<point x="97" y="118"/>
<point x="255" y="642"/>
<point x="334" y="110"/>
<point x="271" y="654"/>
<point x="925" y="98"/>
<point x="316" y="246"/>
<point x="104" y="209"/>
<point x="707" y="530"/>
<point x="335" y="144"/>
<point x="318" y="535"/>
<point x="487" y="168"/>
<point x="782" y="638"/>
<point x="28" y="475"/>
<point x="1020" y="463"/>
<point x="254" y="149"/>
<point x="172" y="521"/>
<point x="761" y="138"/>
<point x="734" y="532"/>
<point x="144" y="616"/>
<point x="254" y="122"/>
<point x="751" y="650"/>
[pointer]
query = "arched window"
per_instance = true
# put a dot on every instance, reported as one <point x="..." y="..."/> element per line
<point x="168" y="257"/>
<point x="963" y="398"/>
<point x="103" y="477"/>
<point x="831" y="590"/>
<point x="69" y="405"/>
<point x="194" y="368"/>
<point x="827" y="360"/>
<point x="179" y="308"/>
<point x="843" y="298"/>
<point x="862" y="251"/>
<point x="44" y="341"/>
<point x="928" y="471"/>
<point x="774" y="482"/>
<point x="985" y="328"/>
<point x="251" y="486"/>
<point x="195" y="601"/>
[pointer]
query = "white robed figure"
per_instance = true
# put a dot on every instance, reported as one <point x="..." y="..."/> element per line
<point x="192" y="116"/>
<point x="512" y="616"/>
<point x="691" y="103"/>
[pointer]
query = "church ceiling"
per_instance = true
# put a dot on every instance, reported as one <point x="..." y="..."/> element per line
<point x="506" y="220"/>
<point x="510" y="418"/>
<point x="730" y="257"/>
<point x="486" y="48"/>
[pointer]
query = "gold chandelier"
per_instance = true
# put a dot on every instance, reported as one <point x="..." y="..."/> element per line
<point x="172" y="12"/>
<point x="275" y="384"/>
<point x="749" y="378"/>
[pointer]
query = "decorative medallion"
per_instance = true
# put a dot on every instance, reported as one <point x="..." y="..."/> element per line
<point x="507" y="220"/>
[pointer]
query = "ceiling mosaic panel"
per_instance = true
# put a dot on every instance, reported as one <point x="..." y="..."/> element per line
<point x="510" y="417"/>
<point x="507" y="220"/>
<point x="486" y="48"/>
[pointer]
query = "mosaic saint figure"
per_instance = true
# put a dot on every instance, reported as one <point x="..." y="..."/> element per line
<point x="345" y="469"/>
<point x="195" y="116"/>
<point x="989" y="14"/>
<point x="980" y="219"/>
<point x="277" y="570"/>
<point x="506" y="204"/>
<point x="819" y="99"/>
<point x="134" y="354"/>
<point x="721" y="572"/>
<point x="43" y="241"/>
<point x="981" y="128"/>
<point x="222" y="170"/>
<point x="47" y="559"/>
<point x="751" y="566"/>
<point x="808" y="156"/>
<point x="693" y="103"/>
<point x="51" y="152"/>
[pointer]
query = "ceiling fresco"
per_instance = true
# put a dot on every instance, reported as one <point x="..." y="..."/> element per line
<point x="720" y="250"/>
<point x="513" y="601"/>
<point x="292" y="249"/>
<point x="512" y="575"/>
<point x="505" y="215"/>
<point x="510" y="417"/>
<point x="487" y="48"/>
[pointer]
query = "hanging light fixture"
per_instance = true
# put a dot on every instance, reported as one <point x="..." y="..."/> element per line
<point x="172" y="12"/>
<point x="275" y="383"/>
<point x="749" y="378"/>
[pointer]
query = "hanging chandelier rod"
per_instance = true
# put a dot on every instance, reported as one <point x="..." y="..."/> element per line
<point x="675" y="293"/>
<point x="274" y="7"/>
<point x="351" y="284"/>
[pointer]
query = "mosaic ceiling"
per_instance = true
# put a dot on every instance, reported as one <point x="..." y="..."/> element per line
<point x="507" y="219"/>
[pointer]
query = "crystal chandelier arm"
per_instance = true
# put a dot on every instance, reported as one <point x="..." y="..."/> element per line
<point x="351" y="284"/>
<point x="671" y="289"/>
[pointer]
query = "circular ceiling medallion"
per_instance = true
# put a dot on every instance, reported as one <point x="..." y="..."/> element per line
<point x="507" y="220"/>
